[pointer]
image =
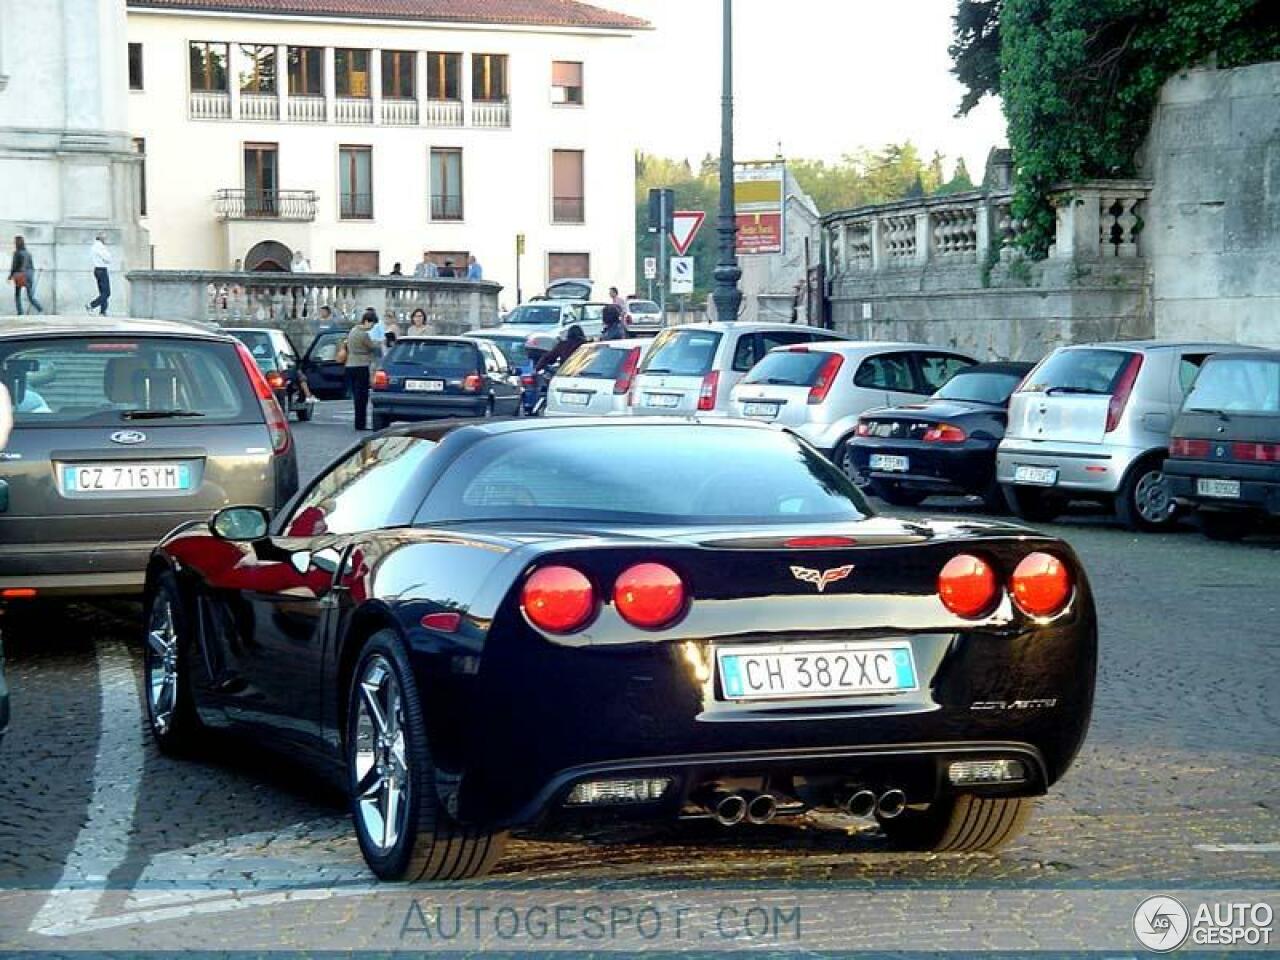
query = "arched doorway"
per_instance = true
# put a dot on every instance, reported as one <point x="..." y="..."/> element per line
<point x="269" y="256"/>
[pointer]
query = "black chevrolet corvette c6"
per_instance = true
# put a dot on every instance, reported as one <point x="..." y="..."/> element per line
<point x="483" y="628"/>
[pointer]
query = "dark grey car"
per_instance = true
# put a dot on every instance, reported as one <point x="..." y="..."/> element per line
<point x="124" y="429"/>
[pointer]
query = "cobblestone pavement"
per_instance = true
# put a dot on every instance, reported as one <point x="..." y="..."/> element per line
<point x="1178" y="784"/>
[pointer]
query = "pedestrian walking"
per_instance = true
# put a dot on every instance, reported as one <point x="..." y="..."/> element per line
<point x="22" y="274"/>
<point x="474" y="270"/>
<point x="620" y="302"/>
<point x="359" y="363"/>
<point x="101" y="259"/>
<point x="426" y="269"/>
<point x="614" y="329"/>
<point x="417" y="324"/>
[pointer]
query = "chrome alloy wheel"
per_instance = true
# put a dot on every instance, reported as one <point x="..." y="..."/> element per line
<point x="162" y="664"/>
<point x="379" y="758"/>
<point x="1151" y="497"/>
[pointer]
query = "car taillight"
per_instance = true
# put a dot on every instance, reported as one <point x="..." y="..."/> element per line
<point x="1124" y="387"/>
<point x="277" y="424"/>
<point x="627" y="375"/>
<point x="558" y="599"/>
<point x="707" y="394"/>
<point x="649" y="595"/>
<point x="1256" y="452"/>
<point x="275" y="379"/>
<point x="968" y="586"/>
<point x="528" y="380"/>
<point x="863" y="429"/>
<point x="818" y="543"/>
<point x="472" y="383"/>
<point x="945" y="433"/>
<point x="380" y="380"/>
<point x="1182" y="447"/>
<point x="826" y="377"/>
<point x="1041" y="585"/>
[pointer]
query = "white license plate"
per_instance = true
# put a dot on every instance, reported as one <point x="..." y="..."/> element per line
<point x="791" y="671"/>
<point x="574" y="399"/>
<point x="765" y="410"/>
<point x="1036" y="476"/>
<point x="889" y="463"/>
<point x="125" y="477"/>
<point x="1226" y="489"/>
<point x="425" y="386"/>
<point x="662" y="400"/>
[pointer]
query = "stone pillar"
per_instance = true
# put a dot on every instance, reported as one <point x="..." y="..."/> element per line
<point x="878" y="257"/>
<point x="330" y="87"/>
<point x="375" y="84"/>
<point x="235" y="64"/>
<point x="1079" y="225"/>
<point x="282" y="80"/>
<point x="924" y="238"/>
<point x="464" y="67"/>
<point x="420" y="83"/>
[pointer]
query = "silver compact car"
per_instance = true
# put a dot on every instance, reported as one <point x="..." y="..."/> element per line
<point x="596" y="380"/>
<point x="1092" y="422"/>
<point x="122" y="431"/>
<point x="819" y="390"/>
<point x="691" y="369"/>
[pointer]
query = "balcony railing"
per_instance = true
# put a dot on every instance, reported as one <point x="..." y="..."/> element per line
<point x="210" y="105"/>
<point x="444" y="113"/>
<point x="446" y="206"/>
<point x="355" y="206"/>
<point x="491" y="113"/>
<point x="353" y="110"/>
<point x="400" y="113"/>
<point x="236" y="204"/>
<point x="567" y="210"/>
<point x="306" y="109"/>
<point x="259" y="106"/>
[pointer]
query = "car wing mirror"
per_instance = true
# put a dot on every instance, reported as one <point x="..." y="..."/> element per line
<point x="240" y="524"/>
<point x="326" y="561"/>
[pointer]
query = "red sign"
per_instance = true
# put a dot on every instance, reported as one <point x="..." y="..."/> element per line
<point x="684" y="227"/>
<point x="759" y="233"/>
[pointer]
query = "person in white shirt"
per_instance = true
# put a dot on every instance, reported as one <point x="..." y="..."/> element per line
<point x="300" y="264"/>
<point x="101" y="258"/>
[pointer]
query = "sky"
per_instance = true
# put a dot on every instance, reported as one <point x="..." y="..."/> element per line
<point x="824" y="77"/>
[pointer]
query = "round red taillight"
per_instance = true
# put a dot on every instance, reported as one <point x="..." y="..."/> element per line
<point x="558" y="599"/>
<point x="1041" y="584"/>
<point x="649" y="595"/>
<point x="968" y="586"/>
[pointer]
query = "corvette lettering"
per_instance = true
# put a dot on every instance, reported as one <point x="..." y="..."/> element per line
<point x="822" y="578"/>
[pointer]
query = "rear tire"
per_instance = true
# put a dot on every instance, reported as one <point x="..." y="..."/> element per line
<point x="423" y="842"/>
<point x="166" y="671"/>
<point x="1033" y="505"/>
<point x="960" y="824"/>
<point x="1223" y="526"/>
<point x="1143" y="501"/>
<point x="894" y="495"/>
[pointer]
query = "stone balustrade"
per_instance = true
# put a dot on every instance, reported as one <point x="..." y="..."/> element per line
<point x="1095" y="221"/>
<point x="292" y="302"/>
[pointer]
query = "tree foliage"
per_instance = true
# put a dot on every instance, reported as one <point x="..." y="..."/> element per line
<point x="1080" y="79"/>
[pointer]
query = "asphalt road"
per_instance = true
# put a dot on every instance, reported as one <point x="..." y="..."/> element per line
<point x="1177" y="786"/>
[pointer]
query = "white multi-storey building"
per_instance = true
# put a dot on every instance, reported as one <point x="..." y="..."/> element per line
<point x="365" y="132"/>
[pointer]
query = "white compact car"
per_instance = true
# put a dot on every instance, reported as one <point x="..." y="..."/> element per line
<point x="821" y="389"/>
<point x="596" y="380"/>
<point x="690" y="369"/>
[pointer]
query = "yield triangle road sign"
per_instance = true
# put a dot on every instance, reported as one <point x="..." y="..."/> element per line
<point x="684" y="227"/>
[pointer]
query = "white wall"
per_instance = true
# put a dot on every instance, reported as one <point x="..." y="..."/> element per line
<point x="506" y="173"/>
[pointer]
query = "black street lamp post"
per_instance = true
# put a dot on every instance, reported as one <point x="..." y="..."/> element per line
<point x="726" y="296"/>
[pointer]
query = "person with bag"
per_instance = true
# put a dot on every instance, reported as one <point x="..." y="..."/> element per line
<point x="22" y="274"/>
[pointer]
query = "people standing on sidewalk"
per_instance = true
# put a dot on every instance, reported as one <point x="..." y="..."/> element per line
<point x="360" y="361"/>
<point x="101" y="258"/>
<point x="22" y="274"/>
<point x="474" y="270"/>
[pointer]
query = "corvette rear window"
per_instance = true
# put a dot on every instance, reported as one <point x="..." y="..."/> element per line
<point x="644" y="474"/>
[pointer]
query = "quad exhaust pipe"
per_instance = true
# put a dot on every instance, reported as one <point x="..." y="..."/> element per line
<point x="891" y="804"/>
<point x="762" y="808"/>
<point x="731" y="808"/>
<point x="864" y="802"/>
<point x="859" y="802"/>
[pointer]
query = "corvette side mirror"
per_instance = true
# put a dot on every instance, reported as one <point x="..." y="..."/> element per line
<point x="240" y="524"/>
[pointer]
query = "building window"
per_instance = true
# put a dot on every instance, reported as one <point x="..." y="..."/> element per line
<point x="566" y="82"/>
<point x="356" y="262"/>
<point x="140" y="148"/>
<point x="561" y="266"/>
<point x="489" y="77"/>
<point x="306" y="71"/>
<point x="351" y="73"/>
<point x="209" y="67"/>
<point x="355" y="182"/>
<point x="446" y="183"/>
<point x="567" y="204"/>
<point x="444" y="76"/>
<point x="398" y="69"/>
<point x="261" y="179"/>
<point x="135" y="66"/>
<point x="259" y="73"/>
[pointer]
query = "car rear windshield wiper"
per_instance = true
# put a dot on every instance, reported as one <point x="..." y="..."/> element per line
<point x="1220" y="414"/>
<point x="158" y="414"/>
<point x="654" y="370"/>
<point x="1075" y="390"/>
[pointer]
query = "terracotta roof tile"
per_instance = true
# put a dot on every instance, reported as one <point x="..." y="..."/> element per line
<point x="552" y="13"/>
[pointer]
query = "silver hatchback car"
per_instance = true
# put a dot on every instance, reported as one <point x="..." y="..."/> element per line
<point x="596" y="380"/>
<point x="1092" y="422"/>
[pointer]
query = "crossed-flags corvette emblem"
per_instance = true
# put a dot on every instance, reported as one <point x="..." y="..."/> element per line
<point x="822" y="578"/>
